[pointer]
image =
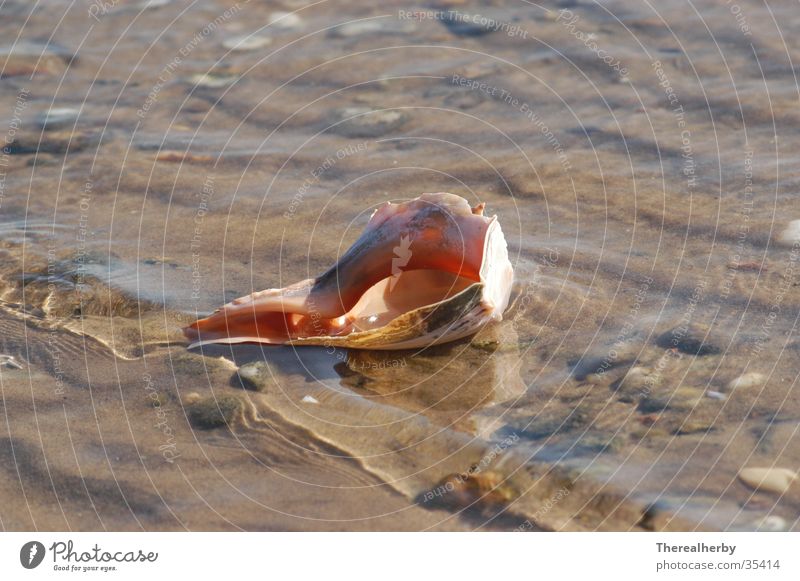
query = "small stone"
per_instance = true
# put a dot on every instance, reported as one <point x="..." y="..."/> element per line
<point x="364" y="27"/>
<point x="215" y="412"/>
<point x="691" y="339"/>
<point x="366" y="121"/>
<point x="688" y="428"/>
<point x="29" y="58"/>
<point x="487" y="488"/>
<point x="775" y="480"/>
<point x="57" y="117"/>
<point x="648" y="419"/>
<point x="212" y="81"/>
<point x="682" y="399"/>
<point x="246" y="42"/>
<point x="10" y="362"/>
<point x="254" y="376"/>
<point x="462" y="24"/>
<point x="791" y="235"/>
<point x="357" y="28"/>
<point x="771" y="523"/>
<point x="286" y="20"/>
<point x="635" y="384"/>
<point x="183" y="157"/>
<point x="550" y="15"/>
<point x="686" y="398"/>
<point x="651" y="405"/>
<point x="441" y="4"/>
<point x="63" y="141"/>
<point x="191" y="397"/>
<point x="310" y="399"/>
<point x="748" y="380"/>
<point x="488" y="345"/>
<point x="599" y="363"/>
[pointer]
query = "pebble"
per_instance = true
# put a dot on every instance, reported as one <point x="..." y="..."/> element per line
<point x="10" y="362"/>
<point x="28" y="58"/>
<point x="254" y="375"/>
<point x="208" y="413"/>
<point x="184" y="157"/>
<point x="791" y="235"/>
<point x="775" y="480"/>
<point x="599" y="363"/>
<point x="310" y="399"/>
<point x="246" y="42"/>
<point x="191" y="397"/>
<point x="688" y="428"/>
<point x="636" y="383"/>
<point x="462" y="24"/>
<point x="454" y="96"/>
<point x="748" y="380"/>
<point x="358" y="28"/>
<point x="63" y="141"/>
<point x="362" y="27"/>
<point x="57" y="117"/>
<point x="682" y="399"/>
<point x="212" y="81"/>
<point x="771" y="523"/>
<point x="286" y="20"/>
<point x="366" y="121"/>
<point x="441" y="4"/>
<point x="486" y="488"/>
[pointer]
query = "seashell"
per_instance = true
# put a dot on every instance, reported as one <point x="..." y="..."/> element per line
<point x="423" y="272"/>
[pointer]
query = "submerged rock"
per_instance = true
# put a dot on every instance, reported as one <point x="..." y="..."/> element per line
<point x="286" y="20"/>
<point x="600" y="363"/>
<point x="254" y="376"/>
<point x="770" y="523"/>
<point x="365" y="27"/>
<point x="482" y="489"/>
<point x="57" y="117"/>
<point x="366" y="121"/>
<point x="29" y="58"/>
<point x="246" y="42"/>
<point x="215" y="412"/>
<point x="463" y="24"/>
<point x="790" y="235"/>
<point x="748" y="380"/>
<point x="63" y="141"/>
<point x="682" y="399"/>
<point x="693" y="427"/>
<point x="212" y="80"/>
<point x="10" y="362"/>
<point x="636" y="384"/>
<point x="777" y="480"/>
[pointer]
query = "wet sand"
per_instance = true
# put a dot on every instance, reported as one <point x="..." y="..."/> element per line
<point x="640" y="160"/>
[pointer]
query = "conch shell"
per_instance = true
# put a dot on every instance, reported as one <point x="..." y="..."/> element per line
<point x="423" y="272"/>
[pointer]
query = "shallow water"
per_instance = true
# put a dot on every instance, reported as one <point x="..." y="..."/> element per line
<point x="644" y="198"/>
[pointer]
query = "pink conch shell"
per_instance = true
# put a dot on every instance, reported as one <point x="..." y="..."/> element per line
<point x="423" y="272"/>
